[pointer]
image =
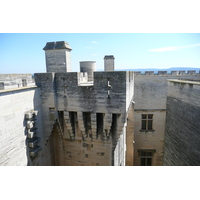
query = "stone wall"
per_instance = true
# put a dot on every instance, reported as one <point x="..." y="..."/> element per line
<point x="130" y="137"/>
<point x="92" y="117"/>
<point x="10" y="81"/>
<point x="150" y="96"/>
<point x="14" y="134"/>
<point x="182" y="137"/>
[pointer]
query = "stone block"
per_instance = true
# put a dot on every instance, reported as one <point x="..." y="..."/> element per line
<point x="162" y="72"/>
<point x="137" y="73"/>
<point x="174" y="72"/>
<point x="149" y="72"/>
<point x="191" y="72"/>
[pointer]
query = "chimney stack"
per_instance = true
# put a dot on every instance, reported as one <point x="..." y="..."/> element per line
<point x="58" y="58"/>
<point x="109" y="63"/>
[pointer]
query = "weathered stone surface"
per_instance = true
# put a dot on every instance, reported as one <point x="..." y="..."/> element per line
<point x="150" y="94"/>
<point x="11" y="81"/>
<point x="109" y="64"/>
<point x="58" y="58"/>
<point x="14" y="105"/>
<point x="182" y="137"/>
<point x="110" y="94"/>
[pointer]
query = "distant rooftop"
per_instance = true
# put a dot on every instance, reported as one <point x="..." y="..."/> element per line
<point x="57" y="45"/>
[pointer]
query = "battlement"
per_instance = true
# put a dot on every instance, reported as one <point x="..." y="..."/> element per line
<point x="109" y="91"/>
<point x="181" y="72"/>
<point x="12" y="81"/>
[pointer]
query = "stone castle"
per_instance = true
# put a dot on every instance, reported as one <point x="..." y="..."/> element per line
<point x="98" y="118"/>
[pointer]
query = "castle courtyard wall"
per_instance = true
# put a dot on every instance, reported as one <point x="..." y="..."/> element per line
<point x="10" y="81"/>
<point x="182" y="137"/>
<point x="14" y="142"/>
<point x="150" y="92"/>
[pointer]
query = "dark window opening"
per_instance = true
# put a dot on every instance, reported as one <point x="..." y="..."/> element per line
<point x="1" y="85"/>
<point x="114" y="124"/>
<point x="147" y="122"/>
<point x="100" y="124"/>
<point x="73" y="121"/>
<point x="146" y="158"/>
<point x="87" y="122"/>
<point x="24" y="82"/>
<point x="52" y="109"/>
<point x="61" y="119"/>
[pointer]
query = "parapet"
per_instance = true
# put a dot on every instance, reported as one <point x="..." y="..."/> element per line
<point x="178" y="73"/>
<point x="57" y="45"/>
<point x="149" y="72"/>
<point x="11" y="81"/>
<point x="162" y="72"/>
<point x="109" y="90"/>
<point x="187" y="81"/>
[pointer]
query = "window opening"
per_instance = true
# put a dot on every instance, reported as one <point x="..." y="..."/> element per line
<point x="87" y="121"/>
<point x="147" y="122"/>
<point x="109" y="88"/>
<point x="100" y="124"/>
<point x="1" y="85"/>
<point x="146" y="158"/>
<point x="24" y="82"/>
<point x="73" y="120"/>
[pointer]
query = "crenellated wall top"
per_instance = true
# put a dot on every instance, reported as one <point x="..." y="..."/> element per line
<point x="181" y="72"/>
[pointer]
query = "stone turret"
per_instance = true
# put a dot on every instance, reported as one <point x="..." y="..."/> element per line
<point x="58" y="58"/>
<point x="109" y="63"/>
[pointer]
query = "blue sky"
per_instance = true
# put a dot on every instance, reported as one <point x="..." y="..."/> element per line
<point x="22" y="52"/>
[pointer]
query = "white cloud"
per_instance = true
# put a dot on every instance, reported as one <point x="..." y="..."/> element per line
<point x="173" y="48"/>
<point x="94" y="54"/>
<point x="94" y="42"/>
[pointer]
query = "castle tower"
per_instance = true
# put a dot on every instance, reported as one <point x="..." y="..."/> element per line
<point x="58" y="58"/>
<point x="89" y="67"/>
<point x="109" y="63"/>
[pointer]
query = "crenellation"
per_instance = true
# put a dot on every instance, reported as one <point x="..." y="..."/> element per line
<point x="191" y="72"/>
<point x="174" y="72"/>
<point x="182" y="72"/>
<point x="12" y="81"/>
<point x="166" y="73"/>
<point x="162" y="72"/>
<point x="137" y="73"/>
<point x="149" y="72"/>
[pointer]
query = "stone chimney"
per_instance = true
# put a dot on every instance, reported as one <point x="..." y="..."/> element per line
<point x="109" y="63"/>
<point x="58" y="58"/>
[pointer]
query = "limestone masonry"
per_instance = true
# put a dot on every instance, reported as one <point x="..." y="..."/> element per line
<point x="91" y="118"/>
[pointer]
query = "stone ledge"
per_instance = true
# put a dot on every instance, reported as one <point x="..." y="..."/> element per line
<point x="16" y="89"/>
<point x="185" y="81"/>
<point x="147" y="131"/>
